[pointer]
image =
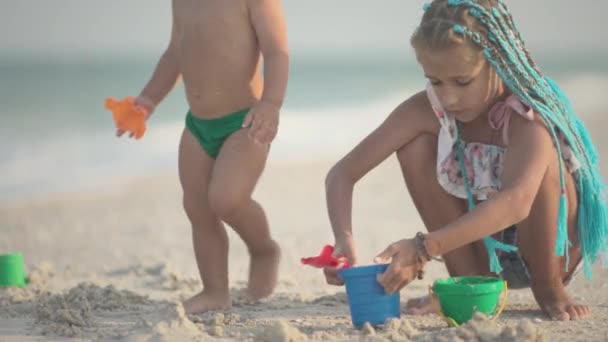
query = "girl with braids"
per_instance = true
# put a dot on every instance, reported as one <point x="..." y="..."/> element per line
<point x="517" y="193"/>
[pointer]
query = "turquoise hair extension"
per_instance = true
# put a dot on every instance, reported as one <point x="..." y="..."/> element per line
<point x="493" y="20"/>
<point x="592" y="204"/>
<point x="585" y="136"/>
<point x="491" y="244"/>
<point x="514" y="84"/>
<point x="505" y="50"/>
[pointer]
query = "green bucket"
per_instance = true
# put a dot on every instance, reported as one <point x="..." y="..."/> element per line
<point x="12" y="270"/>
<point x="460" y="297"/>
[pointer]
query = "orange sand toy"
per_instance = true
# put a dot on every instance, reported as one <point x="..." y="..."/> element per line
<point x="127" y="116"/>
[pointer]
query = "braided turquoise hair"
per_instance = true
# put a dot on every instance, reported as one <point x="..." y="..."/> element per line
<point x="488" y="26"/>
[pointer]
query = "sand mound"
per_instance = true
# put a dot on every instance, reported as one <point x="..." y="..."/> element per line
<point x="480" y="328"/>
<point x="14" y="300"/>
<point x="280" y="331"/>
<point x="40" y="275"/>
<point x="91" y="311"/>
<point x="393" y="330"/>
<point x="68" y="314"/>
<point x="175" y="326"/>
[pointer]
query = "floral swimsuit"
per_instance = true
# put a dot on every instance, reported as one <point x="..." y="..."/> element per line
<point x="484" y="165"/>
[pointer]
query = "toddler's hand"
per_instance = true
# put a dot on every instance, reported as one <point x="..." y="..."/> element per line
<point x="144" y="103"/>
<point x="263" y="122"/>
<point x="344" y="249"/>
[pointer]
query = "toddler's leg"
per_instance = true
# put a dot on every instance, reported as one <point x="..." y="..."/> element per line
<point x="235" y="174"/>
<point x="437" y="208"/>
<point x="208" y="234"/>
<point x="537" y="235"/>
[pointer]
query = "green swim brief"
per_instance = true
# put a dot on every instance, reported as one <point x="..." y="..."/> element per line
<point x="211" y="133"/>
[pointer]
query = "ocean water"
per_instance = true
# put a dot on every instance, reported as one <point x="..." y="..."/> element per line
<point x="56" y="136"/>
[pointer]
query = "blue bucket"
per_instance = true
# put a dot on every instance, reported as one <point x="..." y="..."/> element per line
<point x="366" y="297"/>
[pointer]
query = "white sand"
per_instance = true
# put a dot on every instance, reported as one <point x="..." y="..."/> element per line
<point x="114" y="264"/>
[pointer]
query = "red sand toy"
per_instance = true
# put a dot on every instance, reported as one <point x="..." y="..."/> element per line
<point x="325" y="259"/>
<point x="127" y="116"/>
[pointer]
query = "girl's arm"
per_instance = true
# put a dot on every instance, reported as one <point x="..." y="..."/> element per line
<point x="410" y="119"/>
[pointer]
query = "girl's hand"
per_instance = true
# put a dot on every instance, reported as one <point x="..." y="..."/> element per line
<point x="263" y="122"/>
<point x="344" y="249"/>
<point x="404" y="267"/>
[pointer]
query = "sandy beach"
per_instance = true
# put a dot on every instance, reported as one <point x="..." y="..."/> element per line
<point x="99" y="220"/>
<point x="114" y="263"/>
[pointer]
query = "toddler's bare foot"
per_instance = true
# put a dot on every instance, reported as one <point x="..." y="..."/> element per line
<point x="557" y="304"/>
<point x="207" y="301"/>
<point x="263" y="272"/>
<point x="420" y="306"/>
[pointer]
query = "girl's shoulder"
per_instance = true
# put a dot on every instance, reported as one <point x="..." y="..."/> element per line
<point x="520" y="125"/>
<point x="418" y="110"/>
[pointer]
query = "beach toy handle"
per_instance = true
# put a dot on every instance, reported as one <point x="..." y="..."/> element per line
<point x="503" y="302"/>
<point x="324" y="259"/>
<point x="451" y="322"/>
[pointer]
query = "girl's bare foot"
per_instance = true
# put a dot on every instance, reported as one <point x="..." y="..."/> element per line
<point x="420" y="306"/>
<point x="207" y="301"/>
<point x="263" y="272"/>
<point x="557" y="304"/>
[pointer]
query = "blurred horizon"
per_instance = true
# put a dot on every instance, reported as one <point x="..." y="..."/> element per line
<point x="81" y="29"/>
